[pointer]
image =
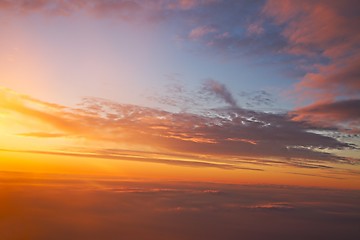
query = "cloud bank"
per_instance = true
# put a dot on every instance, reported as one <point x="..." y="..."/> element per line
<point x="106" y="209"/>
<point x="231" y="133"/>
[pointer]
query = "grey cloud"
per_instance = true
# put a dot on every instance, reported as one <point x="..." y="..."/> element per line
<point x="219" y="90"/>
<point x="258" y="99"/>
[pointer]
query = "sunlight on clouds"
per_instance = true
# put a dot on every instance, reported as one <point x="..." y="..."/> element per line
<point x="230" y="146"/>
<point x="148" y="169"/>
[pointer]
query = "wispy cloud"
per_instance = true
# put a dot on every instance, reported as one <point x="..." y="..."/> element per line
<point x="133" y="157"/>
<point x="255" y="29"/>
<point x="127" y="10"/>
<point x="42" y="134"/>
<point x="258" y="99"/>
<point x="199" y="32"/>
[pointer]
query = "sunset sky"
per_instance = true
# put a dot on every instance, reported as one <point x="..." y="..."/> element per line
<point x="254" y="92"/>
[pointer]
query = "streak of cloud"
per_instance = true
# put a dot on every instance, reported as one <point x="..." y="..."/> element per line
<point x="119" y="157"/>
<point x="41" y="134"/>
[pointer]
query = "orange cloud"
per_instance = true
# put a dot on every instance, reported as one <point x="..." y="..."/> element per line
<point x="42" y="134"/>
<point x="48" y="113"/>
<point x="219" y="134"/>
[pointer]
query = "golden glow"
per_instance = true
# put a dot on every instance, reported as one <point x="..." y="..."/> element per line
<point x="97" y="167"/>
<point x="42" y="137"/>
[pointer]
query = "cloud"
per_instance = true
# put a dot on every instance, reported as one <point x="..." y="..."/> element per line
<point x="324" y="31"/>
<point x="42" y="134"/>
<point x="127" y="10"/>
<point x="188" y="4"/>
<point x="237" y="30"/>
<point x="199" y="32"/>
<point x="340" y="114"/>
<point x="224" y="135"/>
<point x="333" y="30"/>
<point x="118" y="208"/>
<point x="131" y="157"/>
<point x="257" y="99"/>
<point x="255" y="29"/>
<point x="340" y="79"/>
<point x="47" y="113"/>
<point x="183" y="99"/>
<point x="219" y="90"/>
<point x="273" y="207"/>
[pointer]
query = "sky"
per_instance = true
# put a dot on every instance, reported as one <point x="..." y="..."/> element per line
<point x="245" y="93"/>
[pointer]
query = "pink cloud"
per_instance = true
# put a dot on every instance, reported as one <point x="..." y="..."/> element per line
<point x="255" y="29"/>
<point x="189" y="4"/>
<point x="341" y="78"/>
<point x="186" y="4"/>
<point x="199" y="32"/>
<point x="322" y="29"/>
<point x="340" y="114"/>
<point x="318" y="23"/>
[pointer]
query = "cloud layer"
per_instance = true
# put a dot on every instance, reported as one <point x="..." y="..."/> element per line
<point x="228" y="133"/>
<point x="86" y="208"/>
